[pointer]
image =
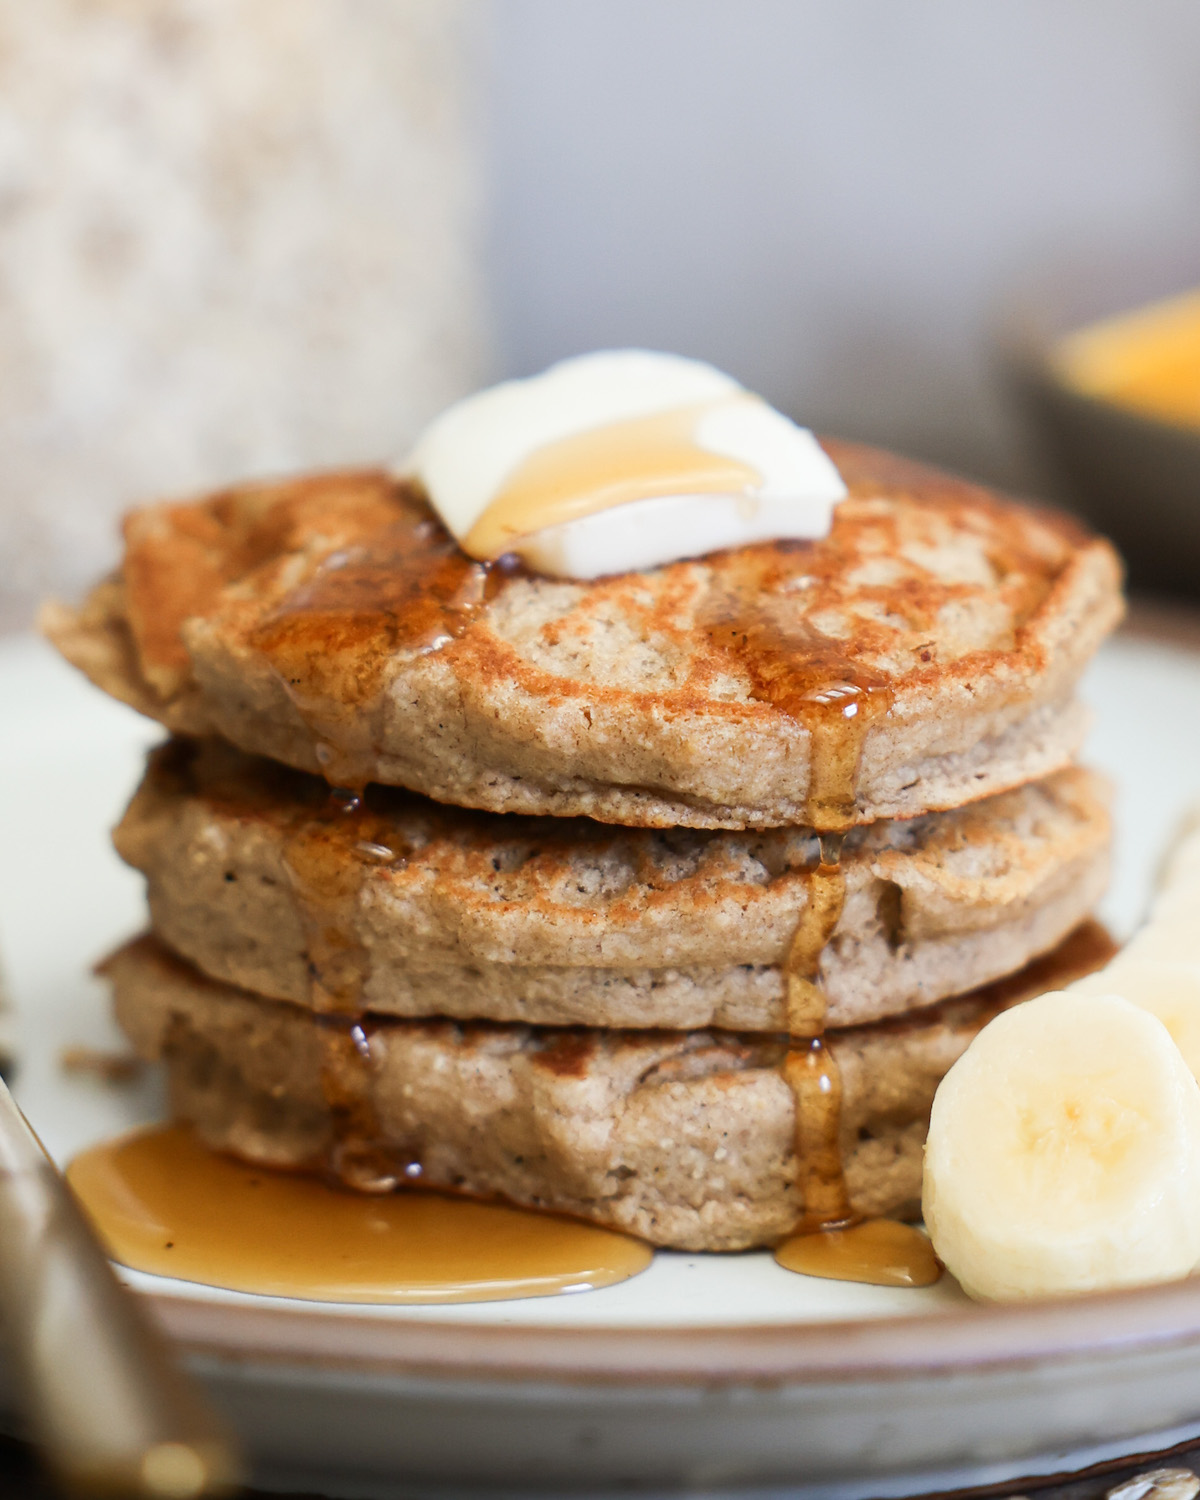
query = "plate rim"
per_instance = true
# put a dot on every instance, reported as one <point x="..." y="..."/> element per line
<point x="990" y="1337"/>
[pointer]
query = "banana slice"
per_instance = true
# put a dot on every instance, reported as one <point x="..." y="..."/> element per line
<point x="1172" y="937"/>
<point x="1181" y="864"/>
<point x="1064" y="1152"/>
<point x="1178" y="896"/>
<point x="1064" y="1146"/>
<point x="1169" y="990"/>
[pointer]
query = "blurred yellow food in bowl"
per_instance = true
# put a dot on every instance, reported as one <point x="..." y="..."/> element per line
<point x="1109" y="384"/>
<point x="1147" y="360"/>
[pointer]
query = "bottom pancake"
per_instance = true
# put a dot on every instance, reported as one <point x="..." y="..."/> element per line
<point x="683" y="1138"/>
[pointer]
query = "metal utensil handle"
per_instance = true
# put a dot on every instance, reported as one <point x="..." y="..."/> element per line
<point x="108" y="1407"/>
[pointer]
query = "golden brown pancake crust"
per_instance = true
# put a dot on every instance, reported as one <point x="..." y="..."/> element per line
<point x="401" y="906"/>
<point x="329" y="622"/>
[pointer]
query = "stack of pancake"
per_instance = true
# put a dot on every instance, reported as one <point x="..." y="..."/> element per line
<point x="665" y="899"/>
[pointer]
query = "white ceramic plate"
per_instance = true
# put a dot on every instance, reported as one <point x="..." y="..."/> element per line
<point x="713" y="1372"/>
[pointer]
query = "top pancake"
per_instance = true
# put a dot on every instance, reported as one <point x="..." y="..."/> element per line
<point x="923" y="655"/>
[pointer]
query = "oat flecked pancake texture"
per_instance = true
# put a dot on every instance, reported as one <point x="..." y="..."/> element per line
<point x="264" y="879"/>
<point x="685" y="1138"/>
<point x="937" y="635"/>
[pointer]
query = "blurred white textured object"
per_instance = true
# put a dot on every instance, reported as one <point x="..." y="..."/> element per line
<point x="236" y="237"/>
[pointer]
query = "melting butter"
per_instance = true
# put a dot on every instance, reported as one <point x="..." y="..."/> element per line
<point x="622" y="460"/>
<point x="603" y="467"/>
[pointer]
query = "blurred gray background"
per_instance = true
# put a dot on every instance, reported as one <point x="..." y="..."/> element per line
<point x="243" y="236"/>
<point x="834" y="201"/>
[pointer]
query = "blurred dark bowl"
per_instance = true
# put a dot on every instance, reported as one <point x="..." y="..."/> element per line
<point x="1132" y="476"/>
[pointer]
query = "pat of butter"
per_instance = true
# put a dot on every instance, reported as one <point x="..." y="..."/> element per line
<point x="622" y="460"/>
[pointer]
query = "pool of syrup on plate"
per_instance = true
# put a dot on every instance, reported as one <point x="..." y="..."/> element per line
<point x="164" y="1203"/>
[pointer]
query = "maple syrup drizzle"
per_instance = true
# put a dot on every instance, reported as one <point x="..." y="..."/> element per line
<point x="812" y="1074"/>
<point x="809" y="1066"/>
<point x="826" y="894"/>
<point x="163" y="1203"/>
<point x="327" y="855"/>
<point x="808" y="676"/>
<point x="333" y="638"/>
<point x="602" y="467"/>
<point x="326" y="870"/>
<point x="357" y="1156"/>
<point x="813" y="679"/>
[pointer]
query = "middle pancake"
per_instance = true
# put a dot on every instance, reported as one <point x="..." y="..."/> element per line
<point x="404" y="907"/>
